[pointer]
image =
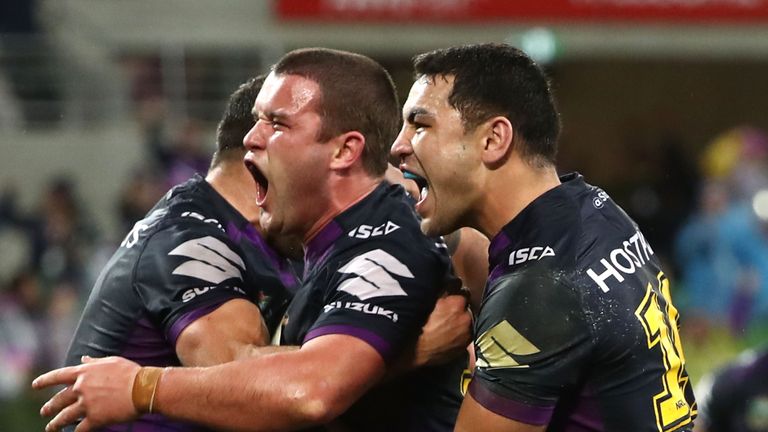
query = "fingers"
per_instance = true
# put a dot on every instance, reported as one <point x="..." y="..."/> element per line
<point x="454" y="301"/>
<point x="67" y="416"/>
<point x="63" y="376"/>
<point x="84" y="426"/>
<point x="58" y="402"/>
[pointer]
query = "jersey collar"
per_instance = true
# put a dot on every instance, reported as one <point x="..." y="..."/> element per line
<point x="317" y="249"/>
<point x="535" y="216"/>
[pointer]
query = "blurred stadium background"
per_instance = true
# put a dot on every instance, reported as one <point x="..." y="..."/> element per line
<point x="105" y="103"/>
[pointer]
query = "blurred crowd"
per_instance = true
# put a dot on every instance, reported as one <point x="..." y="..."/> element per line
<point x="721" y="250"/>
<point x="53" y="253"/>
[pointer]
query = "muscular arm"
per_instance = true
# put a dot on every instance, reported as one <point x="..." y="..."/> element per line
<point x="475" y="418"/>
<point x="287" y="390"/>
<point x="235" y="330"/>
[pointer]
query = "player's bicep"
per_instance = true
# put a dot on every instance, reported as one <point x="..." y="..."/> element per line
<point x="475" y="417"/>
<point x="230" y="332"/>
<point x="185" y="272"/>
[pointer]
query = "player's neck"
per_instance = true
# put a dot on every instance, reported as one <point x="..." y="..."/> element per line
<point x="509" y="191"/>
<point x="344" y="192"/>
<point x="230" y="179"/>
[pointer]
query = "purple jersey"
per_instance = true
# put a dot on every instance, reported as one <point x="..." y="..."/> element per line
<point x="189" y="255"/>
<point x="577" y="328"/>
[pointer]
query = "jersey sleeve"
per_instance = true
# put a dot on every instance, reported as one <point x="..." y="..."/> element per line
<point x="383" y="295"/>
<point x="187" y="271"/>
<point x="531" y="341"/>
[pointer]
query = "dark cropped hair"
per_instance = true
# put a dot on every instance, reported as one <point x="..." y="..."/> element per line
<point x="236" y="121"/>
<point x="356" y="94"/>
<point x="496" y="79"/>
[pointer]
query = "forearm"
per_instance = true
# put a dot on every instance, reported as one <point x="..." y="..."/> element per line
<point x="203" y="358"/>
<point x="253" y="394"/>
<point x="215" y="338"/>
<point x="259" y="351"/>
<point x="284" y="390"/>
<point x="470" y="260"/>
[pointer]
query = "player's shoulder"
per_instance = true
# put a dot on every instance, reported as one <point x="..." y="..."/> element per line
<point x="382" y="228"/>
<point x="541" y="241"/>
<point x="606" y="245"/>
<point x="195" y="201"/>
<point x="186" y="250"/>
<point x="532" y="290"/>
<point x="386" y="218"/>
<point x="192" y="205"/>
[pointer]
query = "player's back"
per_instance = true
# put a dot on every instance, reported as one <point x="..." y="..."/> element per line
<point x="584" y="333"/>
<point x="189" y="255"/>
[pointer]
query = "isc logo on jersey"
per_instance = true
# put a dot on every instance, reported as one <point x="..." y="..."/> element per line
<point x="139" y="227"/>
<point x="202" y="218"/>
<point x="529" y="254"/>
<point x="373" y="272"/>
<point x="366" y="231"/>
<point x="210" y="260"/>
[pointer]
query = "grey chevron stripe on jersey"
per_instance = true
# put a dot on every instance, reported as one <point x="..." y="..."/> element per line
<point x="211" y="260"/>
<point x="374" y="280"/>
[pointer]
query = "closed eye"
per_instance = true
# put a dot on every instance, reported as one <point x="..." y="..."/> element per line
<point x="420" y="126"/>
<point x="272" y="119"/>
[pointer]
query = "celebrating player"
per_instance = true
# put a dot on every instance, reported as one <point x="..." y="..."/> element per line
<point x="168" y="295"/>
<point x="576" y="330"/>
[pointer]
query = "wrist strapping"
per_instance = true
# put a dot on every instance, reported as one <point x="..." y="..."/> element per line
<point x="145" y="387"/>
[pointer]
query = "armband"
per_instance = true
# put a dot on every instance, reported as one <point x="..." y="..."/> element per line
<point x="145" y="387"/>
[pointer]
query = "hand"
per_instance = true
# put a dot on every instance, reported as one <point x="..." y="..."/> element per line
<point x="99" y="391"/>
<point x="447" y="332"/>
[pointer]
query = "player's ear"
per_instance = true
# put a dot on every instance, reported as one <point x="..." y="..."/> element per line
<point x="498" y="140"/>
<point x="348" y="149"/>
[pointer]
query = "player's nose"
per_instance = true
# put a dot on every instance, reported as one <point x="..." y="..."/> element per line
<point x="253" y="139"/>
<point x="401" y="147"/>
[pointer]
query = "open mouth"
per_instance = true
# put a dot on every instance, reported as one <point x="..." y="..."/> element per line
<point x="421" y="182"/>
<point x="262" y="184"/>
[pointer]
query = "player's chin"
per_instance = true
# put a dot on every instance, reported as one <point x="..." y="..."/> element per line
<point x="432" y="227"/>
<point x="268" y="222"/>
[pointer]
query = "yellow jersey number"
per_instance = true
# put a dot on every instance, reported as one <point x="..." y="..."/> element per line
<point x="671" y="407"/>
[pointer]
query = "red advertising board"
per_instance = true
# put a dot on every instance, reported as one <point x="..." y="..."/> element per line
<point x="473" y="11"/>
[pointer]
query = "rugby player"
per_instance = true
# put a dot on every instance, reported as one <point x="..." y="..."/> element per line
<point x="168" y="294"/>
<point x="318" y="151"/>
<point x="576" y="330"/>
<point x="735" y="397"/>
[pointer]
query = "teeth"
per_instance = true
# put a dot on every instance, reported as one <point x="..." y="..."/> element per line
<point x="424" y="193"/>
